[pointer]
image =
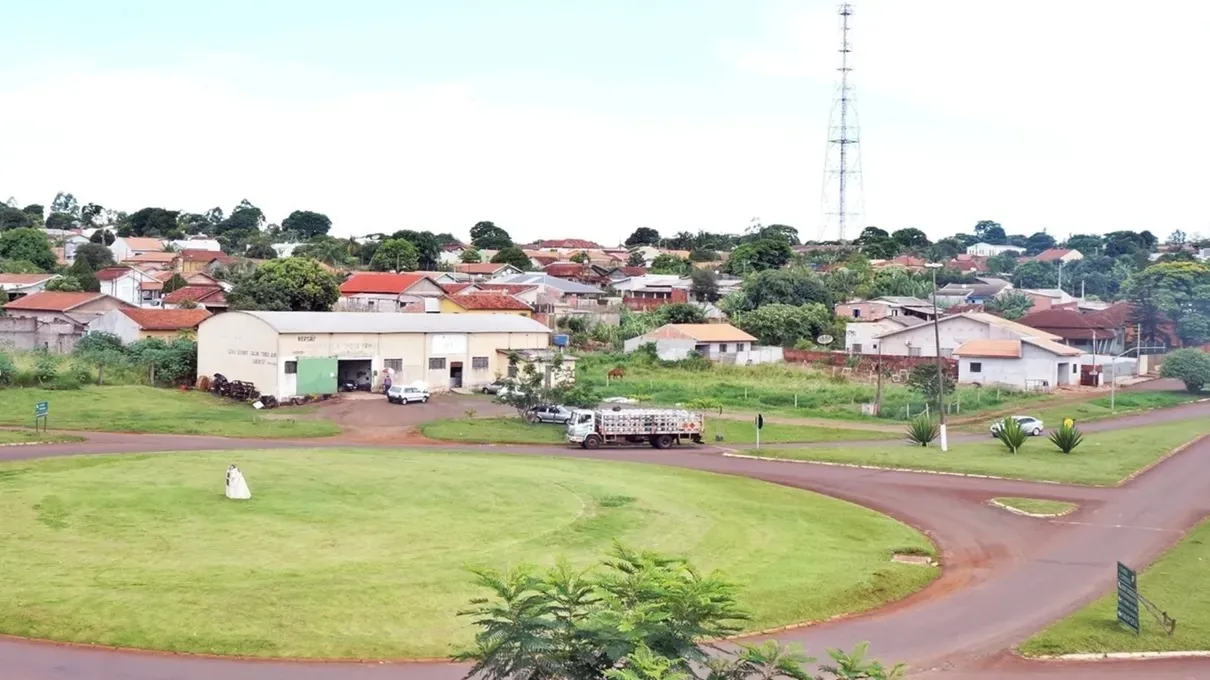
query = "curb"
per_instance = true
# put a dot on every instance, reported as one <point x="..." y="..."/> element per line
<point x="1017" y="511"/>
<point x="1124" y="656"/>
<point x="911" y="470"/>
<point x="29" y="443"/>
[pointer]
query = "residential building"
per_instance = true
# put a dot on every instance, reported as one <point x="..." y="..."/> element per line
<point x="558" y="367"/>
<point x="968" y="264"/>
<point x="126" y="247"/>
<point x="131" y="285"/>
<point x="451" y="253"/>
<point x="554" y="292"/>
<point x="1025" y="363"/>
<point x="442" y="278"/>
<point x="195" y="260"/>
<point x="619" y="273"/>
<point x="567" y="246"/>
<point x="904" y="262"/>
<point x="48" y="306"/>
<point x="20" y="285"/>
<point x="524" y="293"/>
<point x="882" y="307"/>
<point x="860" y="336"/>
<point x="651" y="291"/>
<point x="388" y="292"/>
<point x="153" y="260"/>
<point x="1085" y="332"/>
<point x="586" y="274"/>
<point x="954" y="330"/>
<point x="1049" y="298"/>
<point x="295" y="353"/>
<point x="1064" y="255"/>
<point x="132" y="325"/>
<point x="496" y="302"/>
<point x="196" y="243"/>
<point x="715" y="341"/>
<point x="213" y="299"/>
<point x="978" y="293"/>
<point x="989" y="250"/>
<point x="487" y="271"/>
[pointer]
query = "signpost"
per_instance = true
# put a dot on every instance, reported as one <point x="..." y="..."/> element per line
<point x="1128" y="597"/>
<point x="41" y="411"/>
<point x="760" y="422"/>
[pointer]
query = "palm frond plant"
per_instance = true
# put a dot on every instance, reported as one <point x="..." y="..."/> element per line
<point x="1012" y="434"/>
<point x="1067" y="438"/>
<point x="923" y="430"/>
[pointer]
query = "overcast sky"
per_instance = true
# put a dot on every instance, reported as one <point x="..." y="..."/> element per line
<point x="580" y="118"/>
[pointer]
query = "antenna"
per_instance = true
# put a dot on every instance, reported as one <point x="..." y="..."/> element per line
<point x="842" y="162"/>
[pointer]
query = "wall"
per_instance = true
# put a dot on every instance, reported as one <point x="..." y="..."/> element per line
<point x="863" y="333"/>
<point x="755" y="355"/>
<point x="368" y="302"/>
<point x="28" y="333"/>
<point x="240" y="347"/>
<point x="866" y="309"/>
<point x="447" y="306"/>
<point x="117" y="323"/>
<point x="866" y="362"/>
<point x="1035" y="367"/>
<point x="954" y="331"/>
<point x="124" y="288"/>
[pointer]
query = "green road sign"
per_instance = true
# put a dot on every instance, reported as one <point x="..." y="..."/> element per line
<point x="41" y="409"/>
<point x="1128" y="597"/>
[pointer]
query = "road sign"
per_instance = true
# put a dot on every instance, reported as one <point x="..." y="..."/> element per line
<point x="41" y="409"/>
<point x="760" y="421"/>
<point x="1128" y="597"/>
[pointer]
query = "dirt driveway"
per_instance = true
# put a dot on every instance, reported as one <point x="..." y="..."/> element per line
<point x="366" y="417"/>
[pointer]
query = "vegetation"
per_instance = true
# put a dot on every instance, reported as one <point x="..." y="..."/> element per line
<point x="28" y="437"/>
<point x="782" y="325"/>
<point x="1036" y="506"/>
<point x="923" y="380"/>
<point x="366" y="575"/>
<point x="1067" y="437"/>
<point x="1012" y="435"/>
<point x="1106" y="459"/>
<point x="1190" y="366"/>
<point x="395" y="255"/>
<point x="923" y="430"/>
<point x="1099" y="408"/>
<point x="288" y="284"/>
<point x="514" y="256"/>
<point x="1172" y="583"/>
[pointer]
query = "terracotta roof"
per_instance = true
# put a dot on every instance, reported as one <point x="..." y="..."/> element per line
<point x="1068" y="324"/>
<point x="455" y="288"/>
<point x="379" y="282"/>
<point x="712" y="332"/>
<point x="479" y="267"/>
<point x="111" y="273"/>
<point x="568" y="243"/>
<point x="166" y="319"/>
<point x="1116" y="315"/>
<point x="992" y="349"/>
<point x="1013" y="326"/>
<point x="1054" y="347"/>
<point x="211" y="295"/>
<point x="25" y="279"/>
<point x="1052" y="254"/>
<point x="52" y="301"/>
<point x="140" y="243"/>
<point x="568" y="269"/>
<point x="631" y="271"/>
<point x="545" y="259"/>
<point x="199" y="255"/>
<point x="510" y="288"/>
<point x="152" y="256"/>
<point x="488" y="301"/>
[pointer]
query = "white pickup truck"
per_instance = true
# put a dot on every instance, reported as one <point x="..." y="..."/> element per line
<point x="659" y="427"/>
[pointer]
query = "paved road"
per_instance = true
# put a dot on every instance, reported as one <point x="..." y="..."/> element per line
<point x="1005" y="576"/>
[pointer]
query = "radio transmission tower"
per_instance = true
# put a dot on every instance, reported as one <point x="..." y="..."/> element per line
<point x="843" y="199"/>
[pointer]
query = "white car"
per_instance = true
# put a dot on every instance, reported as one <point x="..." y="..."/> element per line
<point x="1032" y="426"/>
<point x="406" y="394"/>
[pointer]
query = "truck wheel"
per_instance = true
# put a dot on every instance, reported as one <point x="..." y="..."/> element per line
<point x="662" y="441"/>
<point x="592" y="441"/>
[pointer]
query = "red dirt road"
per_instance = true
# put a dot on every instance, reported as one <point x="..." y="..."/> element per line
<point x="1005" y="576"/>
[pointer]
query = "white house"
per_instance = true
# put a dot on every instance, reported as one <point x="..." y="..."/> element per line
<point x="126" y="247"/>
<point x="715" y="341"/>
<point x="988" y="250"/>
<point x="20" y="285"/>
<point x="451" y="254"/>
<point x="1022" y="363"/>
<point x="131" y="285"/>
<point x="196" y="243"/>
<point x="954" y="330"/>
<point x="861" y="337"/>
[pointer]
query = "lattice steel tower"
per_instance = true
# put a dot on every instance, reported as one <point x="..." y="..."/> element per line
<point x="843" y="195"/>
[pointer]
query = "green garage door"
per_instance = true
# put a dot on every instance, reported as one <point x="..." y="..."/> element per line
<point x="316" y="375"/>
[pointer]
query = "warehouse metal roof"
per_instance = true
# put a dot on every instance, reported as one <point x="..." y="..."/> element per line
<point x="373" y="322"/>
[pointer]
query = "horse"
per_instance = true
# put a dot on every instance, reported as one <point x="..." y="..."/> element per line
<point x="617" y="373"/>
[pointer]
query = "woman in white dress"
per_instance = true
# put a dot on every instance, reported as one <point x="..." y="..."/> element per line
<point x="237" y="488"/>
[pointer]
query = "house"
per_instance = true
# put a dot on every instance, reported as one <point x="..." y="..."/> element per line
<point x="153" y="260"/>
<point x="196" y="243"/>
<point x="126" y="247"/>
<point x="284" y="249"/>
<point x="904" y="262"/>
<point x="978" y="293"/>
<point x="567" y="246"/>
<point x="20" y="285"/>
<point x="1025" y="363"/>
<point x="79" y="308"/>
<point x="451" y="253"/>
<point x="619" y="273"/>
<point x="285" y="354"/>
<point x="554" y="292"/>
<point x="526" y="294"/>
<point x="715" y="341"/>
<point x="586" y="274"/>
<point x="539" y="259"/>
<point x="559" y="368"/>
<point x="968" y="264"/>
<point x="130" y="285"/>
<point x="442" y="278"/>
<point x="196" y="260"/>
<point x="132" y="325"/>
<point x="1085" y="332"/>
<point x="487" y="271"/>
<point x="388" y="292"/>
<point x="210" y="298"/>
<point x="1064" y="255"/>
<point x="484" y="303"/>
<point x="651" y="291"/>
<point x="860" y="335"/>
<point x="989" y="250"/>
<point x="954" y="330"/>
<point x="882" y="307"/>
<point x="1049" y="298"/>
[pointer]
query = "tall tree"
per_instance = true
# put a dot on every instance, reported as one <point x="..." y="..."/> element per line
<point x="514" y="256"/>
<point x="470" y="256"/>
<point x="784" y="325"/>
<point x="487" y="236"/>
<point x="1038" y="242"/>
<point x="643" y="236"/>
<point x="36" y="214"/>
<point x="1002" y="263"/>
<point x="1178" y="291"/>
<point x="911" y="238"/>
<point x="1177" y="238"/>
<point x="84" y="275"/>
<point x="704" y="285"/>
<point x="1036" y="275"/>
<point x="665" y="263"/>
<point x="1087" y="244"/>
<point x="636" y="259"/>
<point x="61" y="220"/>
<point x="307" y="224"/>
<point x="797" y="286"/>
<point x="395" y="254"/>
<point x="154" y="222"/>
<point x="29" y="245"/>
<point x="287" y="284"/>
<point x="92" y="214"/>
<point x="991" y="232"/>
<point x="95" y="254"/>
<point x="13" y="218"/>
<point x="428" y="247"/>
<point x="65" y="203"/>
<point x="759" y="256"/>
<point x="104" y="237"/>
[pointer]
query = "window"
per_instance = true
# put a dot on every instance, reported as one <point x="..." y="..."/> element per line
<point x="479" y="363"/>
<point x="393" y="365"/>
<point x="976" y="367"/>
<point x="856" y="313"/>
<point x="1074" y="369"/>
<point x="857" y="348"/>
<point x="436" y="364"/>
<point x="739" y="347"/>
<point x="946" y="352"/>
<point x="722" y="348"/>
<point x="913" y="351"/>
<point x="291" y="367"/>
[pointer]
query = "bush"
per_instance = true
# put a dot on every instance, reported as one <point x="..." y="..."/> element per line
<point x="1067" y="438"/>
<point x="923" y="379"/>
<point x="923" y="431"/>
<point x="66" y="381"/>
<point x="1012" y="434"/>
<point x="1190" y="366"/>
<point x="46" y="369"/>
<point x="80" y="374"/>
<point x="8" y="371"/>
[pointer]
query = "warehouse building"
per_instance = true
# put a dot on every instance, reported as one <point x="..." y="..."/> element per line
<point x="294" y="353"/>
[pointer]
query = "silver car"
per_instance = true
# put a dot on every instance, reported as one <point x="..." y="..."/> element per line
<point x="406" y="394"/>
<point x="1032" y="426"/>
<point x="547" y="413"/>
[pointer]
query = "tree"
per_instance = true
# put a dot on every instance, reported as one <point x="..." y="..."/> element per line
<point x="759" y="256"/>
<point x="154" y="222"/>
<point x="797" y="286"/>
<point x="514" y="256"/>
<point x="470" y="256"/>
<point x="96" y="255"/>
<point x="19" y="267"/>
<point x="327" y="249"/>
<point x="1177" y="238"/>
<point x="923" y="380"/>
<point x="777" y="232"/>
<point x="643" y="236"/>
<point x="636" y="259"/>
<point x="64" y="284"/>
<point x="1190" y="366"/>
<point x="1118" y="243"/>
<point x="671" y="264"/>
<point x="286" y="284"/>
<point x="12" y="218"/>
<point x="1039" y="242"/>
<point x="1011" y="304"/>
<point x="174" y="283"/>
<point x="579" y="257"/>
<point x="91" y="213"/>
<point x="307" y="224"/>
<point x="681" y="312"/>
<point x="487" y="236"/>
<point x="911" y="238"/>
<point x="83" y="273"/>
<point x="1087" y="244"/>
<point x="704" y="285"/>
<point x="1002" y="263"/>
<point x="945" y="249"/>
<point x="991" y="232"/>
<point x="65" y="203"/>
<point x="61" y="221"/>
<point x="28" y="244"/>
<point x="784" y="325"/>
<point x="104" y="237"/>
<point x="1177" y="291"/>
<point x="36" y="214"/>
<point x="395" y="255"/>
<point x="428" y="247"/>
<point x="703" y="255"/>
<point x="1036" y="274"/>
<point x="260" y="250"/>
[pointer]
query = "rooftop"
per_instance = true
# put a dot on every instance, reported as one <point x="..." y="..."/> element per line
<point x="153" y="256"/>
<point x="52" y="301"/>
<point x="202" y="255"/>
<point x="997" y="349"/>
<point x="711" y="332"/>
<point x="140" y="243"/>
<point x="1069" y="324"/>
<point x="568" y="243"/>
<point x="499" y="301"/>
<point x="481" y="267"/>
<point x="984" y="317"/>
<point x="24" y="279"/>
<point x="380" y="282"/>
<point x="362" y="322"/>
<point x="166" y="319"/>
<point x="1053" y="254"/>
<point x="112" y="273"/>
<point x="207" y="294"/>
<point x="562" y="285"/>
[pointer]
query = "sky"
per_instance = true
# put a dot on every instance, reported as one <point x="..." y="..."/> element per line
<point x="579" y="118"/>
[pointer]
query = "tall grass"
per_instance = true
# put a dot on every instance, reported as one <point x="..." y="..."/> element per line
<point x="67" y="371"/>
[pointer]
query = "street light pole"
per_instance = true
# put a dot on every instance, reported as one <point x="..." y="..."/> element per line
<point x="940" y="368"/>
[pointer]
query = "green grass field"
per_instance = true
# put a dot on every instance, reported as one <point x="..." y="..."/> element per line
<point x="1098" y="409"/>
<point x="1037" y="506"/>
<point x="1104" y="458"/>
<point x="31" y="437"/>
<point x="508" y="430"/>
<point x="152" y="410"/>
<point x="1174" y="583"/>
<point x="345" y="553"/>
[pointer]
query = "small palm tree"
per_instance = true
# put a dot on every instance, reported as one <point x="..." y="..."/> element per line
<point x="1067" y="438"/>
<point x="1012" y="434"/>
<point x="923" y="430"/>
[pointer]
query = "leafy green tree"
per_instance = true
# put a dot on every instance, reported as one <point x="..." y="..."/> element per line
<point x="260" y="250"/>
<point x="1179" y="291"/>
<point x="307" y="224"/>
<point x="58" y="220"/>
<point x="428" y="247"/>
<point x="784" y="325"/>
<point x="36" y="214"/>
<point x="1191" y="366"/>
<point x="64" y="284"/>
<point x="643" y="236"/>
<point x="703" y="255"/>
<point x="96" y="255"/>
<point x="19" y="267"/>
<point x="13" y="218"/>
<point x="1035" y="274"/>
<point x="487" y="236"/>
<point x="991" y="232"/>
<point x="944" y="249"/>
<point x="286" y="284"/>
<point x="28" y="244"/>
<point x="798" y="286"/>
<point x="704" y="285"/>
<point x="470" y="256"/>
<point x="910" y="238"/>
<point x="175" y="283"/>
<point x="91" y="214"/>
<point x="1087" y="244"/>
<point x="777" y="232"/>
<point x="82" y="272"/>
<point x="1178" y="238"/>
<point x="758" y="256"/>
<point x="65" y="203"/>
<point x="104" y="237"/>
<point x="671" y="264"/>
<point x="1011" y="304"/>
<point x="923" y="380"/>
<point x="1039" y="242"/>
<point x="579" y="257"/>
<point x="636" y="259"/>
<point x="395" y="255"/>
<point x="681" y="312"/>
<point x="154" y="222"/>
<point x="326" y="249"/>
<point x="1002" y="263"/>
<point x="514" y="256"/>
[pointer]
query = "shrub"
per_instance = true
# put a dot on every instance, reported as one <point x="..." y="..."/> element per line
<point x="8" y="371"/>
<point x="704" y="404"/>
<point x="923" y="379"/>
<point x="1067" y="438"/>
<point x="923" y="431"/>
<point x="66" y="381"/>
<point x="1190" y="366"/>
<point x="46" y="368"/>
<point x="80" y="374"/>
<point x="1012" y="434"/>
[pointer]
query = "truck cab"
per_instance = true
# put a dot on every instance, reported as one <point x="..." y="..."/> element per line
<point x="582" y="424"/>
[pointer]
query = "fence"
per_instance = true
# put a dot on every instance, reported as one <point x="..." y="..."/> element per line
<point x="862" y="363"/>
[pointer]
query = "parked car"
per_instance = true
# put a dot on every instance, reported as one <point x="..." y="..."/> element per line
<point x="406" y="394"/>
<point x="1032" y="426"/>
<point x="494" y="388"/>
<point x="548" y="413"/>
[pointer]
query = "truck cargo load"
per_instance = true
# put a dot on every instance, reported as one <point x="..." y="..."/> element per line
<point x="659" y="427"/>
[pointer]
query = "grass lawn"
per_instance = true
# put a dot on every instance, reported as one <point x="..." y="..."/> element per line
<point x="508" y="430"/>
<point x="1104" y="458"/>
<point x="29" y="437"/>
<point x="1037" y="506"/>
<point x="345" y="553"/>
<point x="1175" y="583"/>
<point x="1098" y="409"/>
<point x="154" y="410"/>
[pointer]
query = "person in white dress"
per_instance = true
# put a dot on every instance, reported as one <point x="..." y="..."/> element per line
<point x="237" y="488"/>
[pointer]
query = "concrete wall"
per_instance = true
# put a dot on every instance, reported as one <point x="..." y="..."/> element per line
<point x="954" y="332"/>
<point x="863" y="333"/>
<point x="27" y="333"/>
<point x="1036" y="370"/>
<point x="117" y="323"/>
<point x="866" y="310"/>
<point x="240" y="347"/>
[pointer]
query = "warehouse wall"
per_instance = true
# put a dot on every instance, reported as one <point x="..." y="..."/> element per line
<point x="240" y="347"/>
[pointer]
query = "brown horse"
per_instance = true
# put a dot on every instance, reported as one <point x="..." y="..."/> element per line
<point x="617" y="373"/>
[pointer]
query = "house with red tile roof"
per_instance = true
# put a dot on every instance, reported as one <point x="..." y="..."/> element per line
<point x="51" y="306"/>
<point x="212" y="298"/>
<point x="586" y="274"/>
<point x="486" y="271"/>
<point x="1064" y="255"/>
<point x="567" y="246"/>
<point x="126" y="247"/>
<point x="525" y="293"/>
<point x="197" y="260"/>
<point x="388" y="292"/>
<point x="132" y="325"/>
<point x="484" y="303"/>
<point x="20" y="285"/>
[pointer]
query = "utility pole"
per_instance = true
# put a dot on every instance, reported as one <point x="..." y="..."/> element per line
<point x="878" y="389"/>
<point x="940" y="365"/>
<point x="845" y="166"/>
